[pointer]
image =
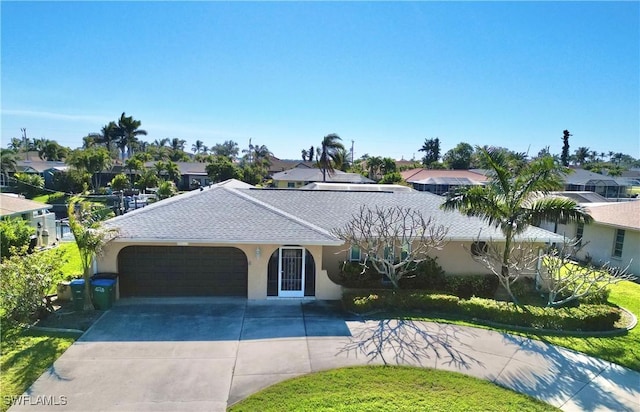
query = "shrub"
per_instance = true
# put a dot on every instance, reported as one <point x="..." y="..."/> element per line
<point x="354" y="275"/>
<point x="466" y="286"/>
<point x="25" y="282"/>
<point x="582" y="318"/>
<point x="428" y="275"/>
<point x="28" y="184"/>
<point x="14" y="233"/>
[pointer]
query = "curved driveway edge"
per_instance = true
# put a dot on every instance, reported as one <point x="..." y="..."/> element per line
<point x="202" y="355"/>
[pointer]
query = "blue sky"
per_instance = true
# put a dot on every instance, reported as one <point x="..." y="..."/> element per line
<point x="385" y="75"/>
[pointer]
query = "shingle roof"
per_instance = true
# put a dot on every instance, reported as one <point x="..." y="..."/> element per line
<point x="217" y="215"/>
<point x="625" y="215"/>
<point x="13" y="205"/>
<point x="331" y="210"/>
<point x="357" y="187"/>
<point x="280" y="216"/>
<point x="419" y="175"/>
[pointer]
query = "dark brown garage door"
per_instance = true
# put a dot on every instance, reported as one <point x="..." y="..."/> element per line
<point x="182" y="271"/>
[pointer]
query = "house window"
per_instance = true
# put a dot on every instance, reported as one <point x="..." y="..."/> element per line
<point x="478" y="248"/>
<point x="579" y="234"/>
<point x="389" y="254"/>
<point x="406" y="249"/>
<point x="355" y="254"/>
<point x="618" y="243"/>
<point x="291" y="184"/>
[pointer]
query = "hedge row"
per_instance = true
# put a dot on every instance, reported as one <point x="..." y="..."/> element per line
<point x="582" y="318"/>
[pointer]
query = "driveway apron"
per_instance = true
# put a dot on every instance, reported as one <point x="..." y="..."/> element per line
<point x="205" y="354"/>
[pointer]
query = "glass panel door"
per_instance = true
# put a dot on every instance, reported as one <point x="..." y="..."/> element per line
<point x="291" y="272"/>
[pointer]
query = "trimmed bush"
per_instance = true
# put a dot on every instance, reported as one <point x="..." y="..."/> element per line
<point x="354" y="275"/>
<point x="427" y="275"/>
<point x="582" y="318"/>
<point x="466" y="286"/>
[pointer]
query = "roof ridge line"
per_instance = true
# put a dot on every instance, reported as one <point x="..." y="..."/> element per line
<point x="280" y="212"/>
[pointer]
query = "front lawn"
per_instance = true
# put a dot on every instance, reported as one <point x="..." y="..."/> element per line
<point x="388" y="388"/>
<point x="73" y="265"/>
<point x="623" y="350"/>
<point x="24" y="357"/>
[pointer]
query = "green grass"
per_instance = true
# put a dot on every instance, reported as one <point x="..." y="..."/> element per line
<point x="623" y="350"/>
<point x="25" y="357"/>
<point x="388" y="388"/>
<point x="73" y="266"/>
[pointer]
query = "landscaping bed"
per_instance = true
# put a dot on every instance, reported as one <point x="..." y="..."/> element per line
<point x="65" y="317"/>
<point x="586" y="317"/>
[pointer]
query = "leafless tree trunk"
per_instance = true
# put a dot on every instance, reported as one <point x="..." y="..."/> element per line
<point x="567" y="281"/>
<point x="393" y="240"/>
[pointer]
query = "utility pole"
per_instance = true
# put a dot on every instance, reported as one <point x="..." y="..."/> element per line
<point x="352" y="151"/>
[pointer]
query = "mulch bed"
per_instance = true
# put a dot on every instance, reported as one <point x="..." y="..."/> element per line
<point x="65" y="317"/>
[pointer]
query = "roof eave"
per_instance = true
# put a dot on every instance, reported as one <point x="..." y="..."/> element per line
<point x="228" y="242"/>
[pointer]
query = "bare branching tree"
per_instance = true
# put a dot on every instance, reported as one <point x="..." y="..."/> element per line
<point x="522" y="260"/>
<point x="565" y="281"/>
<point x="392" y="240"/>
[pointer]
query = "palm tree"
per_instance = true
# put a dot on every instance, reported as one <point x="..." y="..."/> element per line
<point x="374" y="164"/>
<point x="197" y="146"/>
<point x="108" y="135"/>
<point x="128" y="132"/>
<point x="513" y="199"/>
<point x="581" y="155"/>
<point x="8" y="163"/>
<point x="304" y="155"/>
<point x="90" y="238"/>
<point x="329" y="154"/>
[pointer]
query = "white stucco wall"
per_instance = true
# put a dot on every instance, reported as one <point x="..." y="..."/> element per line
<point x="598" y="242"/>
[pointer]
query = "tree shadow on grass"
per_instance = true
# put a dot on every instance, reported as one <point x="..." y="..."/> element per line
<point x="33" y="356"/>
<point x="567" y="376"/>
<point x="405" y="342"/>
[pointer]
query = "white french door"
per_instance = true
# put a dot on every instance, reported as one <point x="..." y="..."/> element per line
<point x="291" y="269"/>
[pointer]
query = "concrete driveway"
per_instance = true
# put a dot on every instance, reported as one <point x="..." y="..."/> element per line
<point x="202" y="355"/>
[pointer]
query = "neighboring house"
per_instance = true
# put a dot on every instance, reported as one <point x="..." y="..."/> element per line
<point x="613" y="237"/>
<point x="440" y="182"/>
<point x="606" y="186"/>
<point x="301" y="176"/>
<point x="189" y="172"/>
<point x="280" y="165"/>
<point x="44" y="168"/>
<point x="263" y="243"/>
<point x="36" y="213"/>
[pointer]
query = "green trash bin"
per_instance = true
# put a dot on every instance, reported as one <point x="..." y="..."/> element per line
<point x="103" y="293"/>
<point x="77" y="293"/>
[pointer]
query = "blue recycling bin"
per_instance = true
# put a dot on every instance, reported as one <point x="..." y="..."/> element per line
<point x="103" y="292"/>
<point x="77" y="293"/>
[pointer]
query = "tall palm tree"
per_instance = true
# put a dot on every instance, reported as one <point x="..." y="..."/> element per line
<point x="329" y="154"/>
<point x="197" y="146"/>
<point x="513" y="198"/>
<point x="374" y="164"/>
<point x="108" y="135"/>
<point x="128" y="132"/>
